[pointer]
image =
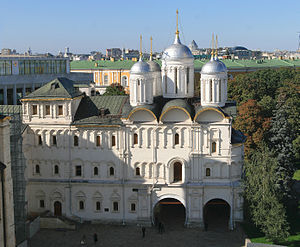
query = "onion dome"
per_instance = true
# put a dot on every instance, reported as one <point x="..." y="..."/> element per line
<point x="177" y="51"/>
<point x="214" y="66"/>
<point x="140" y="67"/>
<point x="154" y="67"/>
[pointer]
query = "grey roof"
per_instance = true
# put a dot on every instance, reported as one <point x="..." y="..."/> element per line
<point x="177" y="51"/>
<point x="182" y="103"/>
<point x="60" y="87"/>
<point x="154" y="67"/>
<point x="89" y="110"/>
<point x="214" y="66"/>
<point x="140" y="67"/>
<point x="237" y="137"/>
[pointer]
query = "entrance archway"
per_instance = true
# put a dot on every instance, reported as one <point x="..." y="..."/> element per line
<point x="57" y="208"/>
<point x="170" y="212"/>
<point x="177" y="172"/>
<point x="216" y="214"/>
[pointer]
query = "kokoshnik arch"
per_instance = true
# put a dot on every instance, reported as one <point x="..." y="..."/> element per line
<point x="115" y="158"/>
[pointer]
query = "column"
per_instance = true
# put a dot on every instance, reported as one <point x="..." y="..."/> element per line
<point x="5" y="94"/>
<point x="32" y="87"/>
<point x="15" y="94"/>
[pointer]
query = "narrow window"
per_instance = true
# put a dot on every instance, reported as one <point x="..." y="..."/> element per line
<point x="54" y="142"/>
<point x="132" y="207"/>
<point x="137" y="171"/>
<point x="98" y="206"/>
<point x="42" y="203"/>
<point x="76" y="141"/>
<point x="47" y="109"/>
<point x="113" y="141"/>
<point x="96" y="171"/>
<point x="77" y="170"/>
<point x="98" y="141"/>
<point x="207" y="172"/>
<point x="40" y="140"/>
<point x="176" y="81"/>
<point x="56" y="169"/>
<point x="166" y="83"/>
<point x="111" y="171"/>
<point x="81" y="205"/>
<point x="213" y="147"/>
<point x="116" y="206"/>
<point x="135" y="138"/>
<point x="37" y="169"/>
<point x="105" y="79"/>
<point x="210" y="90"/>
<point x="34" y="110"/>
<point x="176" y="139"/>
<point x="220" y="86"/>
<point x="187" y="79"/>
<point x="60" y="110"/>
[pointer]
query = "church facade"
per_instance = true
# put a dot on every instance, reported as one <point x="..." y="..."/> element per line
<point x="116" y="158"/>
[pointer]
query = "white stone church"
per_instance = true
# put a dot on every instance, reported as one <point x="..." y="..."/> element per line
<point x="117" y="158"/>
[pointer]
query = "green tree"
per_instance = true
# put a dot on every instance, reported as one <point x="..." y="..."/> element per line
<point x="262" y="196"/>
<point x="114" y="89"/>
<point x="281" y="142"/>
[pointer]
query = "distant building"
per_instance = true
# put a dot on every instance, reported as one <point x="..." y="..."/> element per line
<point x="20" y="75"/>
<point x="7" y="51"/>
<point x="113" y="52"/>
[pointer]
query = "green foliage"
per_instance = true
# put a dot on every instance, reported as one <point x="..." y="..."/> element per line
<point x="281" y="141"/>
<point x="262" y="195"/>
<point x="114" y="89"/>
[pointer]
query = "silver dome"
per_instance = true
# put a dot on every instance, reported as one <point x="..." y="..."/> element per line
<point x="213" y="67"/>
<point x="154" y="67"/>
<point x="140" y="67"/>
<point x="177" y="51"/>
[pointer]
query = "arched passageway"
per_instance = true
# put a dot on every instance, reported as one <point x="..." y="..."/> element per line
<point x="216" y="215"/>
<point x="170" y="212"/>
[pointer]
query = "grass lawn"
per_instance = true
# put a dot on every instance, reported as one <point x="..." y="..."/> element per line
<point x="292" y="241"/>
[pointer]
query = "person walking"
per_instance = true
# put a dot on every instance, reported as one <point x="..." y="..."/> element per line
<point x="144" y="231"/>
<point x="95" y="238"/>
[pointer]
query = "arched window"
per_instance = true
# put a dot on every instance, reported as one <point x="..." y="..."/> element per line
<point x="207" y="172"/>
<point x="187" y="79"/>
<point x="135" y="138"/>
<point x="132" y="207"/>
<point x="56" y="169"/>
<point x="124" y="81"/>
<point x="96" y="171"/>
<point x="37" y="169"/>
<point x="98" y="141"/>
<point x="111" y="171"/>
<point x="176" y="141"/>
<point x="81" y="205"/>
<point x="40" y="140"/>
<point x="177" y="172"/>
<point x="213" y="147"/>
<point x="137" y="171"/>
<point x="98" y="206"/>
<point x="54" y="141"/>
<point x="115" y="206"/>
<point x="76" y="141"/>
<point x="113" y="141"/>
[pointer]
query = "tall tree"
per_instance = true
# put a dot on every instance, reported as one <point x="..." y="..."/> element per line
<point x="281" y="142"/>
<point x="114" y="89"/>
<point x="263" y="197"/>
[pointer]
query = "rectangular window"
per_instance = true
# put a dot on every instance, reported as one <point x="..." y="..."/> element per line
<point x="113" y="141"/>
<point x="135" y="138"/>
<point x="76" y="142"/>
<point x="47" y="110"/>
<point x="98" y="141"/>
<point x="40" y="140"/>
<point x="176" y="81"/>
<point x="105" y="79"/>
<point x="54" y="143"/>
<point x="77" y="170"/>
<point x="132" y="207"/>
<point x="98" y="206"/>
<point x="42" y="203"/>
<point x="34" y="110"/>
<point x="116" y="206"/>
<point x="60" y="110"/>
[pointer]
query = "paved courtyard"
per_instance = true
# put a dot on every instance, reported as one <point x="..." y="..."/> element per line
<point x="112" y="235"/>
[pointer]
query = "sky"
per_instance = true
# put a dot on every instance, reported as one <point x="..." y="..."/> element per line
<point x="94" y="25"/>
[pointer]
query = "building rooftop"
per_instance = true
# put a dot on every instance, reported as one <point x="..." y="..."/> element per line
<point x="230" y="64"/>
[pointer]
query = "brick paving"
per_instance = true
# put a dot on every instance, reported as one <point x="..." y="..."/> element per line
<point x="123" y="236"/>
